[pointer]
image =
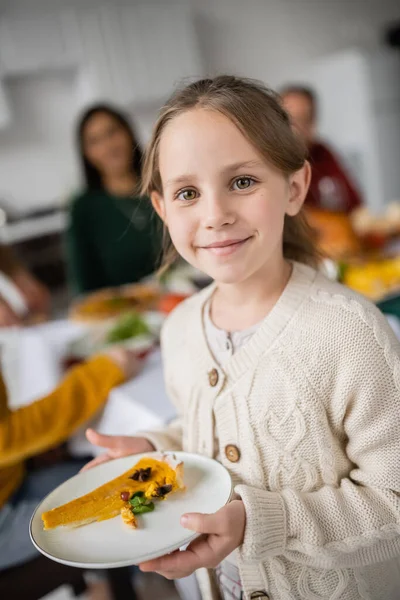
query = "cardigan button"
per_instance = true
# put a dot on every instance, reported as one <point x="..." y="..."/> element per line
<point x="213" y="377"/>
<point x="232" y="453"/>
<point x="255" y="595"/>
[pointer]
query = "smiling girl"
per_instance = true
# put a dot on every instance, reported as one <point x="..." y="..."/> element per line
<point x="289" y="379"/>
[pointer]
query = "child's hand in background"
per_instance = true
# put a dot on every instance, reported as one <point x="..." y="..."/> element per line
<point x="223" y="532"/>
<point x="117" y="446"/>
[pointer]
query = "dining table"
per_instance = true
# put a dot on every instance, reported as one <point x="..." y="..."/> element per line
<point x="33" y="361"/>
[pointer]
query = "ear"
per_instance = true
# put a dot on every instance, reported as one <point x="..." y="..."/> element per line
<point x="299" y="182"/>
<point x="158" y="204"/>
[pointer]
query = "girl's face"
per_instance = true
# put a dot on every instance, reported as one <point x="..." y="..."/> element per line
<point x="107" y="145"/>
<point x="223" y="204"/>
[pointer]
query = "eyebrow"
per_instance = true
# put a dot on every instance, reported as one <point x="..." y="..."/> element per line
<point x="226" y="170"/>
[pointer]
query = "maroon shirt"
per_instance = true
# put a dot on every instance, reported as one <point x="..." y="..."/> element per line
<point x="330" y="188"/>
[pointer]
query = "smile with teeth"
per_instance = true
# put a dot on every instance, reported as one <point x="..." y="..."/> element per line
<point x="226" y="247"/>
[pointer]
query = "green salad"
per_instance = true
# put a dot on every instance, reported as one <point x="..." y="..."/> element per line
<point x="128" y="326"/>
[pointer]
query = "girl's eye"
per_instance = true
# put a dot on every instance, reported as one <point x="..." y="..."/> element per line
<point x="242" y="183"/>
<point x="187" y="195"/>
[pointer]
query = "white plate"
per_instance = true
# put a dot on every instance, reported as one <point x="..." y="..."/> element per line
<point x="111" y="543"/>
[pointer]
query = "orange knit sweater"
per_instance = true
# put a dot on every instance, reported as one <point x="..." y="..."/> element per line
<point x="46" y="423"/>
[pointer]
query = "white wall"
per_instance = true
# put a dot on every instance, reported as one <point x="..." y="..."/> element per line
<point x="270" y="40"/>
<point x="37" y="164"/>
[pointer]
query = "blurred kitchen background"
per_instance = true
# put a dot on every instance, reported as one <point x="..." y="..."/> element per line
<point x="56" y="57"/>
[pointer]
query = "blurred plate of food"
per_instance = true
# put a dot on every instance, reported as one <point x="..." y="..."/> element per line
<point x="113" y="302"/>
<point x="376" y="230"/>
<point x="334" y="232"/>
<point x="133" y="330"/>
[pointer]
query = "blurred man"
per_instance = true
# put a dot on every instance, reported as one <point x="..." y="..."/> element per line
<point x="331" y="188"/>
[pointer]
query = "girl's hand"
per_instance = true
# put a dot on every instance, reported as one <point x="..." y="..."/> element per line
<point x="117" y="446"/>
<point x="224" y="531"/>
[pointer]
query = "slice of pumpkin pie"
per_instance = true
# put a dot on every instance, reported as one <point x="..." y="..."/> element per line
<point x="133" y="492"/>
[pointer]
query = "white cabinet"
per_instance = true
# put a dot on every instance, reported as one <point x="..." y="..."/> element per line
<point x="31" y="42"/>
<point x="123" y="53"/>
<point x="136" y="54"/>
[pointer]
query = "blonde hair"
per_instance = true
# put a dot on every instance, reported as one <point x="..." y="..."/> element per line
<point x="257" y="112"/>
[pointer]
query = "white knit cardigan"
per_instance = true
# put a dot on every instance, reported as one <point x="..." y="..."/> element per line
<point x="312" y="402"/>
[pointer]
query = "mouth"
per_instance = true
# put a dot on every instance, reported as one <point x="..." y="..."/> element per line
<point x="226" y="247"/>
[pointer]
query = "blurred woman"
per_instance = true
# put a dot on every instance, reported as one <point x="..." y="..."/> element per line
<point x="114" y="237"/>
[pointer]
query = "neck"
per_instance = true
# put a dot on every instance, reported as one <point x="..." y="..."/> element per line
<point x="121" y="184"/>
<point x="238" y="306"/>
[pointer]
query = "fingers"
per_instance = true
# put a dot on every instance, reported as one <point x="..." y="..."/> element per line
<point x="202" y="523"/>
<point x="127" y="360"/>
<point x="119" y="445"/>
<point x="175" y="565"/>
<point x="199" y="554"/>
<point x="223" y="532"/>
<point x="96" y="461"/>
<point x="103" y="440"/>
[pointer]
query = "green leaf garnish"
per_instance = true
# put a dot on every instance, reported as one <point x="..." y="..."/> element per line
<point x="137" y="499"/>
<point x="143" y="508"/>
<point x="128" y="326"/>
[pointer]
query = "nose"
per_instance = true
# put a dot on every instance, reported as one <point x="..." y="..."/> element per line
<point x="218" y="212"/>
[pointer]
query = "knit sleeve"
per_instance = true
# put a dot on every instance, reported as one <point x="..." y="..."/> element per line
<point x="45" y="423"/>
<point x="357" y="522"/>
<point x="167" y="438"/>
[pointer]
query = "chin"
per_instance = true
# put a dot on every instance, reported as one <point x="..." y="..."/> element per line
<point x="227" y="275"/>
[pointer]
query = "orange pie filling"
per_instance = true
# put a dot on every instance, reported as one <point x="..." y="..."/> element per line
<point x="150" y="478"/>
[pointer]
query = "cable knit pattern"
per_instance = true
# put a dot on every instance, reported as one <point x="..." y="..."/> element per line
<point x="312" y="401"/>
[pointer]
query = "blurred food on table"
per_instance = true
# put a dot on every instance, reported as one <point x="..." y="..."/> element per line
<point x="364" y="248"/>
<point x="135" y="331"/>
<point x="130" y="315"/>
<point x="108" y="303"/>
<point x="335" y="234"/>
<point x="168" y="302"/>
<point x="375" y="230"/>
<point x="375" y="278"/>
<point x="128" y="326"/>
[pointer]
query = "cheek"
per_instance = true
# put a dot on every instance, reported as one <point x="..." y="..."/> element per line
<point x="266" y="213"/>
<point x="125" y="144"/>
<point x="181" y="228"/>
<point x="95" y="156"/>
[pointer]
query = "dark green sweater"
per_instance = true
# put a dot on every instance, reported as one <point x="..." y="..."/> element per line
<point x="111" y="240"/>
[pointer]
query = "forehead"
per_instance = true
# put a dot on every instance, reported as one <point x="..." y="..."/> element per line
<point x="296" y="103"/>
<point x="98" y="121"/>
<point x="202" y="137"/>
